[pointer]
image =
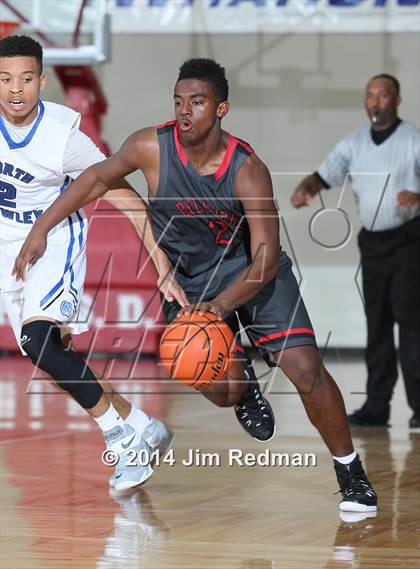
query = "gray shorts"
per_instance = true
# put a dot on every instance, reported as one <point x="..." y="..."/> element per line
<point x="275" y="319"/>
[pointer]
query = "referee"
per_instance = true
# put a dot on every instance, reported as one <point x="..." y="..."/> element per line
<point x="382" y="162"/>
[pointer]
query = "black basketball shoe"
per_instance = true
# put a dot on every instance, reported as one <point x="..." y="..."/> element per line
<point x="254" y="411"/>
<point x="358" y="494"/>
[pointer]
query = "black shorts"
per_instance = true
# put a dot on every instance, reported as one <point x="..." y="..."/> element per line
<point x="275" y="319"/>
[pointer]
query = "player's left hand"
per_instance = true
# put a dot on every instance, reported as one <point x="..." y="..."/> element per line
<point x="407" y="198"/>
<point x="170" y="287"/>
<point x="202" y="307"/>
<point x="32" y="249"/>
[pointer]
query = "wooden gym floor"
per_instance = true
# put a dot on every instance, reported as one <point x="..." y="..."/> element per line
<point x="57" y="511"/>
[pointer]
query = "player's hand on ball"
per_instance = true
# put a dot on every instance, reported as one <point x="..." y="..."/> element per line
<point x="197" y="349"/>
<point x="202" y="308"/>
<point x="407" y="198"/>
<point x="32" y="249"/>
<point x="170" y="287"/>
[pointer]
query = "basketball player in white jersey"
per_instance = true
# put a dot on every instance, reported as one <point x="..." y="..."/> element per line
<point x="41" y="151"/>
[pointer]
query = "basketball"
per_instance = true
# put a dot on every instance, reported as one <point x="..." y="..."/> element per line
<point x="197" y="349"/>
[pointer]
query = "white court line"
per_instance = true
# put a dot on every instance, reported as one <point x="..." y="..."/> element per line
<point x="37" y="437"/>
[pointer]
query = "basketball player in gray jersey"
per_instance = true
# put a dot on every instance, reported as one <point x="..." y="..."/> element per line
<point x="382" y="161"/>
<point x="210" y="220"/>
<point x="216" y="227"/>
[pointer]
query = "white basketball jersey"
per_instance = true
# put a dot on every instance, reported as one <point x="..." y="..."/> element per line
<point x="31" y="171"/>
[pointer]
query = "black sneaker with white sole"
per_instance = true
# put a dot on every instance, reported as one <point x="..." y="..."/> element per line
<point x="356" y="490"/>
<point x="254" y="411"/>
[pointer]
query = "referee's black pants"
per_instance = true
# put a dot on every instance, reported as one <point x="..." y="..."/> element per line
<point x="391" y="289"/>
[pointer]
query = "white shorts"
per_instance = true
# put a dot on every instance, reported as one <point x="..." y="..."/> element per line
<point x="54" y="285"/>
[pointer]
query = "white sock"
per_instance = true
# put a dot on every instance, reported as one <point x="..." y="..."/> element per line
<point x="346" y="459"/>
<point x="109" y="419"/>
<point x="138" y="419"/>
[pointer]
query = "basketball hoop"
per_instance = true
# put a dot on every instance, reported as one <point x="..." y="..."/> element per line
<point x="7" y="28"/>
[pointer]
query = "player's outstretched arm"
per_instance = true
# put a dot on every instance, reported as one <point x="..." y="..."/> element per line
<point x="136" y="209"/>
<point x="137" y="152"/>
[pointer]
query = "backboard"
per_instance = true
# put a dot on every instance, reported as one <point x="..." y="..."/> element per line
<point x="73" y="32"/>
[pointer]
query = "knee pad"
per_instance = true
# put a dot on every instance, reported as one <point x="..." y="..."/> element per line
<point x="41" y="340"/>
<point x="37" y="339"/>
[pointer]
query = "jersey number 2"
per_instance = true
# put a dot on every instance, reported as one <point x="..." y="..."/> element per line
<point x="224" y="229"/>
<point x="7" y="194"/>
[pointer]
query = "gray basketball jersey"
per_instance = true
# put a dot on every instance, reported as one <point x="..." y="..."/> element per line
<point x="197" y="220"/>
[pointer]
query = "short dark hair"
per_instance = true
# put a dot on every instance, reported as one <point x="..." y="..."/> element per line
<point x="24" y="46"/>
<point x="206" y="70"/>
<point x="391" y="78"/>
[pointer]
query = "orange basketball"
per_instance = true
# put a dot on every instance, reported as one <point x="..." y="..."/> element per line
<point x="197" y="350"/>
